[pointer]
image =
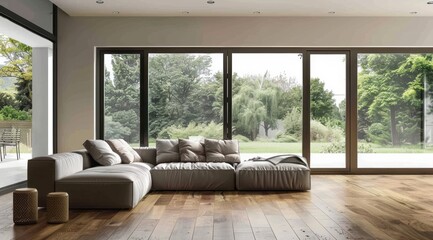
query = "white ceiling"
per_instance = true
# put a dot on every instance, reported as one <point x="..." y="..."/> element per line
<point x="18" y="33"/>
<point x="246" y="7"/>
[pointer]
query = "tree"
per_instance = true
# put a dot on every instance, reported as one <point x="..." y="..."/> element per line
<point x="7" y="100"/>
<point x="122" y="97"/>
<point x="115" y="130"/>
<point x="323" y="106"/>
<point x="248" y="111"/>
<point x="270" y="96"/>
<point x="19" y="66"/>
<point x="183" y="90"/>
<point x="391" y="95"/>
<point x="263" y="100"/>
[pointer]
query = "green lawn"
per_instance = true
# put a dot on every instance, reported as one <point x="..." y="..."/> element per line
<point x="274" y="147"/>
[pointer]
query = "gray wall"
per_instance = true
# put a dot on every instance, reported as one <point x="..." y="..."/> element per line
<point x="39" y="12"/>
<point x="78" y="37"/>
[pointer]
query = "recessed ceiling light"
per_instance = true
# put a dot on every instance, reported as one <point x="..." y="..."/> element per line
<point x="413" y="13"/>
<point x="185" y="12"/>
<point x="430" y="2"/>
<point x="99" y="1"/>
<point x="210" y="1"/>
<point x="332" y="12"/>
<point x="256" y="12"/>
<point x="116" y="12"/>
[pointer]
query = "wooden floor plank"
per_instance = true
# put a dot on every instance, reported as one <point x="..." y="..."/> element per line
<point x="223" y="226"/>
<point x="281" y="227"/>
<point x="184" y="228"/>
<point x="203" y="228"/>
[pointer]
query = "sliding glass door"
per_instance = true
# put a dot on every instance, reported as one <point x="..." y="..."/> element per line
<point x="328" y="77"/>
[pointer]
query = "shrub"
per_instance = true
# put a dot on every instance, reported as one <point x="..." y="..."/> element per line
<point x="286" y="138"/>
<point x="340" y="147"/>
<point x="293" y="123"/>
<point x="10" y="113"/>
<point x="378" y="133"/>
<point x="130" y="120"/>
<point x="334" y="147"/>
<point x="211" y="130"/>
<point x="365" y="148"/>
<point x="114" y="130"/>
<point x="322" y="133"/>
<point x="241" y="138"/>
<point x="7" y="99"/>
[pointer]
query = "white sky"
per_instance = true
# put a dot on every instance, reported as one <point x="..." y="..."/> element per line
<point x="329" y="68"/>
<point x="2" y="60"/>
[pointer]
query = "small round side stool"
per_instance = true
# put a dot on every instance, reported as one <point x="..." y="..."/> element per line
<point x="25" y="206"/>
<point x="57" y="207"/>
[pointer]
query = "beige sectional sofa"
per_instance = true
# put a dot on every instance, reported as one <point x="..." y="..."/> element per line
<point x="122" y="186"/>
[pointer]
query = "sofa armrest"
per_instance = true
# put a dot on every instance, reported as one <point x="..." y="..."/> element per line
<point x="43" y="172"/>
<point x="147" y="154"/>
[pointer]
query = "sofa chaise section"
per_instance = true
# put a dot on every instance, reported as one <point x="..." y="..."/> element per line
<point x="88" y="184"/>
<point x="119" y="186"/>
<point x="43" y="172"/>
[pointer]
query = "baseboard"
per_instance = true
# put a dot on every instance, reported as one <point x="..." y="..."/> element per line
<point x="11" y="188"/>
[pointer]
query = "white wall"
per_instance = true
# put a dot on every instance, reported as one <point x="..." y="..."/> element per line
<point x="78" y="37"/>
<point x="42" y="102"/>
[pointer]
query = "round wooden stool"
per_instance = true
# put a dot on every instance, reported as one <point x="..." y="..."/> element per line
<point x="25" y="206"/>
<point x="57" y="207"/>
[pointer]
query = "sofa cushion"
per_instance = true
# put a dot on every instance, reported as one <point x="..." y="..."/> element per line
<point x="101" y="152"/>
<point x="167" y="150"/>
<point x="147" y="154"/>
<point x="127" y="153"/>
<point x="222" y="151"/>
<point x="117" y="186"/>
<point x="193" y="176"/>
<point x="191" y="151"/>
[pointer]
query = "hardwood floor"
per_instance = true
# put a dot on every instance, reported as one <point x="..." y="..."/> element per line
<point x="337" y="207"/>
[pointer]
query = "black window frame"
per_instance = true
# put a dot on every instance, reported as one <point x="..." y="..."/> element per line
<point x="351" y="94"/>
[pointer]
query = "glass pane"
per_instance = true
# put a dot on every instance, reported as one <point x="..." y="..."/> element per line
<point x="328" y="110"/>
<point x="395" y="111"/>
<point x="185" y="96"/>
<point x="122" y="97"/>
<point x="267" y="103"/>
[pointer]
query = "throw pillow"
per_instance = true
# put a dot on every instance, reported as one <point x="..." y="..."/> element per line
<point x="191" y="151"/>
<point x="222" y="151"/>
<point x="127" y="153"/>
<point x="101" y="152"/>
<point x="167" y="150"/>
